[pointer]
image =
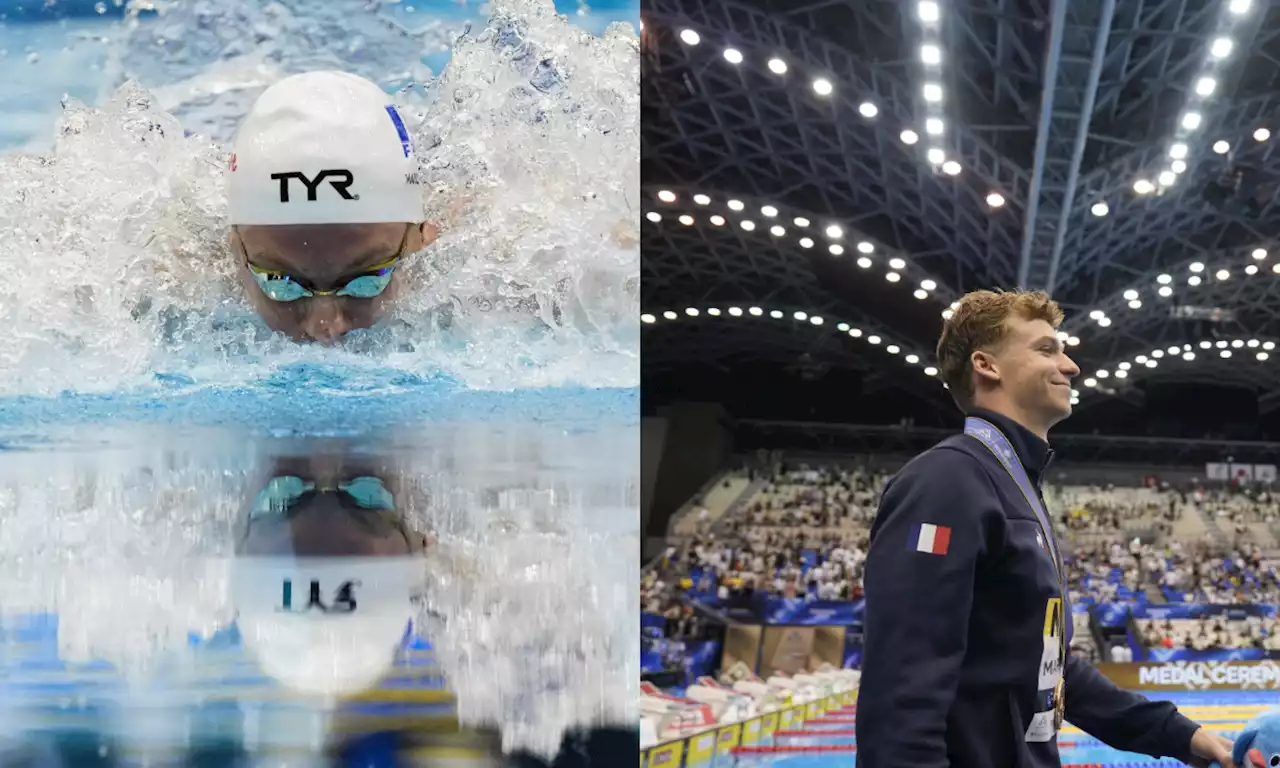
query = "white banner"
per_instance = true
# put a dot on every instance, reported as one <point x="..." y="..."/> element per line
<point x="1264" y="473"/>
<point x="1216" y="472"/>
<point x="1241" y="472"/>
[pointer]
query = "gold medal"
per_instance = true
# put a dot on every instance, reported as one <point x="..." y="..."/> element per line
<point x="1059" y="704"/>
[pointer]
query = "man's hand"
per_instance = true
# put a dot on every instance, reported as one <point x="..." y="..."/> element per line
<point x="1209" y="748"/>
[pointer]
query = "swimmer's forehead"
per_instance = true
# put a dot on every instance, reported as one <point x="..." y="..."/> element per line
<point x="327" y="248"/>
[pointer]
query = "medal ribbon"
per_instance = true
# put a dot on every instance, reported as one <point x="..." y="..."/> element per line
<point x="995" y="441"/>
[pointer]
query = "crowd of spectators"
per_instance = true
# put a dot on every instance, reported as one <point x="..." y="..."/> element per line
<point x="804" y="532"/>
<point x="1214" y="634"/>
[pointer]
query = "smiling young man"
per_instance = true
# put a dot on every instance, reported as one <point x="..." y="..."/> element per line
<point x="325" y="204"/>
<point x="967" y="619"/>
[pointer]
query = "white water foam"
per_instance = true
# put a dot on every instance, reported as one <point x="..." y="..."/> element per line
<point x="115" y="256"/>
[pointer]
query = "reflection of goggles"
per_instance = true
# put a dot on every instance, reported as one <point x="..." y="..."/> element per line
<point x="282" y="494"/>
<point x="284" y="288"/>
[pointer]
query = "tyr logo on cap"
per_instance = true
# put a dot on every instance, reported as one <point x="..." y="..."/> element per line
<point x="340" y="179"/>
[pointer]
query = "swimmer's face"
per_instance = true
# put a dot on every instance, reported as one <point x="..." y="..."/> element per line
<point x="324" y="258"/>
<point x="327" y="525"/>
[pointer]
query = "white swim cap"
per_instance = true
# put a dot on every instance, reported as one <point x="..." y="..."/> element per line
<point x="325" y="626"/>
<point x="323" y="148"/>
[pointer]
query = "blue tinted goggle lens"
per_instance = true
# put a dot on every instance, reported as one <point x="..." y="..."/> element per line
<point x="283" y="288"/>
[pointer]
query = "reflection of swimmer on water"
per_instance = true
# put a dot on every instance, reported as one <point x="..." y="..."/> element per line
<point x="325" y="204"/>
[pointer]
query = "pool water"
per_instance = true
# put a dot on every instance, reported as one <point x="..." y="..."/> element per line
<point x="138" y="610"/>
<point x="1225" y="712"/>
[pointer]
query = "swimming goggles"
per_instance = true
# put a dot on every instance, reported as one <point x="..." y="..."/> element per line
<point x="284" y="288"/>
<point x="283" y="493"/>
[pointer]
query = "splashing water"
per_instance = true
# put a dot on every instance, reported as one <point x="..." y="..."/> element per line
<point x="118" y="274"/>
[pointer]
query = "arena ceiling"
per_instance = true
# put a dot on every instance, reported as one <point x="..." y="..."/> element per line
<point x="822" y="179"/>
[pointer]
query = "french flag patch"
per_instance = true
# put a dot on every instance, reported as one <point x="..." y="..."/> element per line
<point x="926" y="537"/>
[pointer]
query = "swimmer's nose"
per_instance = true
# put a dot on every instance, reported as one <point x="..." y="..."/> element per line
<point x="325" y="321"/>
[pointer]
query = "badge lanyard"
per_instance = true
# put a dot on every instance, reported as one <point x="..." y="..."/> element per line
<point x="999" y="445"/>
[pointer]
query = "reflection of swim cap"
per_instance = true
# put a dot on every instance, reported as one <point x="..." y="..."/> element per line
<point x="324" y="626"/>
<point x="323" y="148"/>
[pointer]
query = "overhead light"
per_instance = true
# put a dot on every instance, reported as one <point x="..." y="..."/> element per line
<point x="653" y="216"/>
<point x="1130" y="295"/>
<point x="930" y="371"/>
<point x="1143" y="187"/>
<point x="912" y="359"/>
<point x="928" y="285"/>
<point x="1165" y="291"/>
<point x="930" y="53"/>
<point x="755" y="311"/>
<point x="800" y="316"/>
<point x="1191" y="121"/>
<point x="1104" y="322"/>
<point x="822" y="86"/>
<point x="1099" y="209"/>
<point x="933" y="126"/>
<point x="1276" y="267"/>
<point x="648" y="319"/>
<point x="909" y="137"/>
<point x="1178" y="166"/>
<point x="892" y="349"/>
<point x="1178" y="151"/>
<point x="1196" y="267"/>
<point x="1135" y="304"/>
<point x="893" y="277"/>
<point x="777" y="66"/>
<point x="951" y="168"/>
<point x="1205" y="86"/>
<point x="864" y="262"/>
<point x="690" y="37"/>
<point x="666" y="196"/>
<point x="867" y="109"/>
<point x="1262" y="134"/>
<point x="1221" y="147"/>
<point x="777" y="231"/>
<point x="865" y="247"/>
<point x="1167" y="178"/>
<point x="748" y="225"/>
<point x="670" y="315"/>
<point x="736" y="205"/>
<point x="735" y="311"/>
<point x="718" y="220"/>
<point x="702" y="200"/>
<point x="815" y="320"/>
<point x="932" y="92"/>
<point x="1222" y="274"/>
<point x="691" y="312"/>
<point x="936" y="156"/>
<point x="769" y="211"/>
<point x="686" y="220"/>
<point x="775" y="314"/>
<point x="1239" y="7"/>
<point x="1259" y="253"/>
<point x="897" y="264"/>
<point x="835" y="232"/>
<point x="836" y="249"/>
<point x="733" y="55"/>
<point x="873" y="339"/>
<point x="800" y="221"/>
<point x="1194" y="280"/>
<point x="1164" y="279"/>
<point x="928" y="10"/>
<point x="1221" y="47"/>
<point x="713" y="312"/>
<point x="806" y="242"/>
<point x="995" y="199"/>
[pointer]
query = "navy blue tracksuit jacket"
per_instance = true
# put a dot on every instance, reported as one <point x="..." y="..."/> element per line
<point x="952" y="665"/>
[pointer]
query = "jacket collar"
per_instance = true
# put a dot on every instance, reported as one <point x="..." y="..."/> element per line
<point x="1034" y="453"/>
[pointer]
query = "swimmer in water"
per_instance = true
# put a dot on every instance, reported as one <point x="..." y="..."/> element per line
<point x="325" y="205"/>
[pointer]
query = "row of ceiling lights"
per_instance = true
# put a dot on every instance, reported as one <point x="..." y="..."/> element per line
<point x="1222" y="347"/>
<point x="910" y="358"/>
<point x="799" y="316"/>
<point x="1199" y="275"/>
<point x="834" y="232"/>
<point x="1204" y="85"/>
<point x="930" y="14"/>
